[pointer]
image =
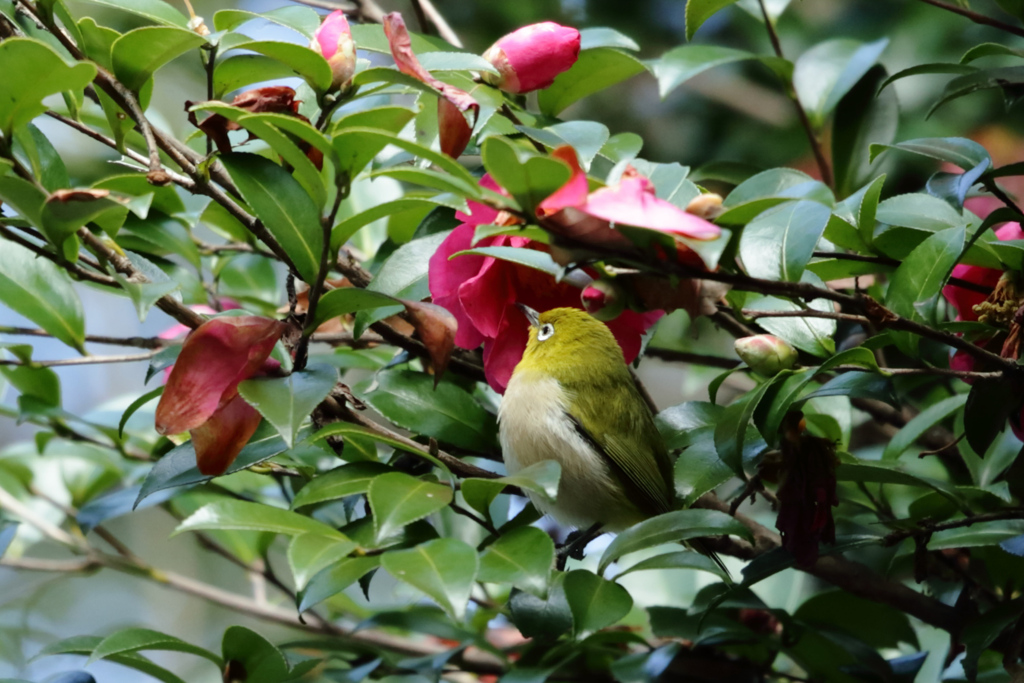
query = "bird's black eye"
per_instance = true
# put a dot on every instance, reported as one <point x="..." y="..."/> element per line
<point x="545" y="332"/>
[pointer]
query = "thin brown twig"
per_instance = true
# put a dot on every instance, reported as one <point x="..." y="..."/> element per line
<point x="925" y="529"/>
<point x="137" y="342"/>
<point x="86" y="360"/>
<point x="819" y="154"/>
<point x="976" y="17"/>
<point x="690" y="357"/>
<point x="891" y="262"/>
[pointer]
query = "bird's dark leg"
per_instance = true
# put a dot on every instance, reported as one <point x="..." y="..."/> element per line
<point x="575" y="544"/>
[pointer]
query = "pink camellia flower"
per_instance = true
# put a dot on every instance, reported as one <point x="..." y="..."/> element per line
<point x="481" y="292"/>
<point x="334" y="41"/>
<point x="590" y="217"/>
<point x="529" y="59"/>
<point x="1000" y="309"/>
<point x="201" y="395"/>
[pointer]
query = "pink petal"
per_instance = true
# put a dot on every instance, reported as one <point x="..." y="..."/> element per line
<point x="633" y="202"/>
<point x="574" y="192"/>
<point x="502" y="354"/>
<point x="962" y="362"/>
<point x="218" y="355"/>
<point x="333" y="29"/>
<point x="219" y="440"/>
<point x="481" y="214"/>
<point x="629" y="329"/>
<point x="445" y="277"/>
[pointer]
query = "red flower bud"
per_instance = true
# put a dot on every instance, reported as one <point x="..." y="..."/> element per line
<point x="765" y="354"/>
<point x="530" y="58"/>
<point x="334" y="41"/>
<point x="202" y="390"/>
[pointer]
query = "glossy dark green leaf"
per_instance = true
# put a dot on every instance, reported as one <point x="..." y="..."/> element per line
<point x="138" y="54"/>
<point x="356" y="146"/>
<point x="345" y="229"/>
<point x="344" y="300"/>
<point x="923" y="69"/>
<point x="680" y="559"/>
<point x="335" y="579"/>
<point x="983" y="630"/>
<point x="398" y="499"/>
<point x="347" y="480"/>
<point x="858" y="385"/>
<point x="308" y="554"/>
<point x="769" y="188"/>
<point x="921" y="423"/>
<point x="522" y="557"/>
<point x="594" y="70"/>
<point x="683" y="63"/>
<point x="862" y="118"/>
<point x="448" y="413"/>
<point x="699" y="11"/>
<point x="283" y="206"/>
<point x="33" y="71"/>
<point x="261" y="661"/>
<point x="953" y="187"/>
<point x="826" y="72"/>
<point x="542" y="618"/>
<point x="1007" y="78"/>
<point x="445" y="569"/>
<point x="989" y="404"/>
<point x="977" y="535"/>
<point x="303" y="62"/>
<point x="540" y="478"/>
<point x="42" y="292"/>
<point x="136" y="639"/>
<point x="245" y="516"/>
<point x="778" y="244"/>
<point x="43" y="159"/>
<point x="594" y="602"/>
<point x="731" y="431"/>
<point x="671" y="527"/>
<point x="84" y="645"/>
<point x="529" y="178"/>
<point x="960" y="151"/>
<point x="302" y="19"/>
<point x="25" y="199"/>
<point x="878" y="473"/>
<point x="286" y="402"/>
<point x="153" y="10"/>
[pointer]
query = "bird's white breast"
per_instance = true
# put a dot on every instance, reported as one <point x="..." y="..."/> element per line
<point x="534" y="426"/>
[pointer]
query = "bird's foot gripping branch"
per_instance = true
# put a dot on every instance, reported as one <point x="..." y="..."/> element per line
<point x="416" y="289"/>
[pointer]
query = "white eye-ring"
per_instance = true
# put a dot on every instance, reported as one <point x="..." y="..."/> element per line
<point x="545" y="332"/>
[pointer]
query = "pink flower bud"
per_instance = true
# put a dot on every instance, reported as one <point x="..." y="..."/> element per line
<point x="765" y="354"/>
<point x="530" y="58"/>
<point x="334" y="41"/>
<point x="603" y="300"/>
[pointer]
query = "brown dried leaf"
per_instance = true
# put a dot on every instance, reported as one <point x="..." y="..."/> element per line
<point x="65" y="196"/>
<point x="652" y="292"/>
<point x="436" y="328"/>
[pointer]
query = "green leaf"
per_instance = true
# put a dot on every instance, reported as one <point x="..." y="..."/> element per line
<point x="538" y="260"/>
<point x="876" y="472"/>
<point x="594" y="70"/>
<point x="356" y="146"/>
<point x="977" y="535"/>
<point x="989" y="404"/>
<point x="731" y="431"/>
<point x="84" y="645"/>
<point x="542" y="618"/>
<point x="286" y="402"/>
<point x="448" y="413"/>
<point x="348" y="227"/>
<point x="541" y="478"/>
<point x="32" y="72"/>
<point x="595" y="602"/>
<point x="921" y="423"/>
<point x="680" y="559"/>
<point x="138" y="54"/>
<point x="245" y="516"/>
<point x="240" y="70"/>
<point x="398" y="499"/>
<point x="698" y="469"/>
<point x="41" y="291"/>
<point x="671" y="527"/>
<point x="530" y="181"/>
<point x="922" y="69"/>
<point x="26" y="199"/>
<point x="917" y="283"/>
<point x="302" y="19"/>
<point x="981" y="631"/>
<point x="304" y="62"/>
<point x="444" y="569"/>
<point x="699" y="11"/>
<point x="43" y="159"/>
<point x="862" y="118"/>
<point x="769" y="188"/>
<point x="778" y="244"/>
<point x="347" y="480"/>
<point x="155" y="10"/>
<point x="813" y="335"/>
<point x="259" y="659"/>
<point x="1007" y="78"/>
<point x="683" y="63"/>
<point x="135" y="405"/>
<point x="345" y="300"/>
<point x="959" y="151"/>
<point x="308" y="554"/>
<point x="588" y="138"/>
<point x="877" y="624"/>
<point x="134" y="639"/>
<point x="522" y="557"/>
<point x="335" y="579"/>
<point x="283" y="206"/>
<point x="826" y="72"/>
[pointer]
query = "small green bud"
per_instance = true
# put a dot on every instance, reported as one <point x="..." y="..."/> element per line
<point x="603" y="299"/>
<point x="765" y="354"/>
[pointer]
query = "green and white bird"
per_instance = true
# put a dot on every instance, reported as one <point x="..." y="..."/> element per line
<point x="571" y="399"/>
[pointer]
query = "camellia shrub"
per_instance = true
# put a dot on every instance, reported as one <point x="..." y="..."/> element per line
<point x="337" y="247"/>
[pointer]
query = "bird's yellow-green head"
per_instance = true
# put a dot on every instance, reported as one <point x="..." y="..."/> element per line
<point x="570" y="344"/>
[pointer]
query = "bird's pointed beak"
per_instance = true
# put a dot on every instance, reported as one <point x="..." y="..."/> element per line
<point x="531" y="315"/>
